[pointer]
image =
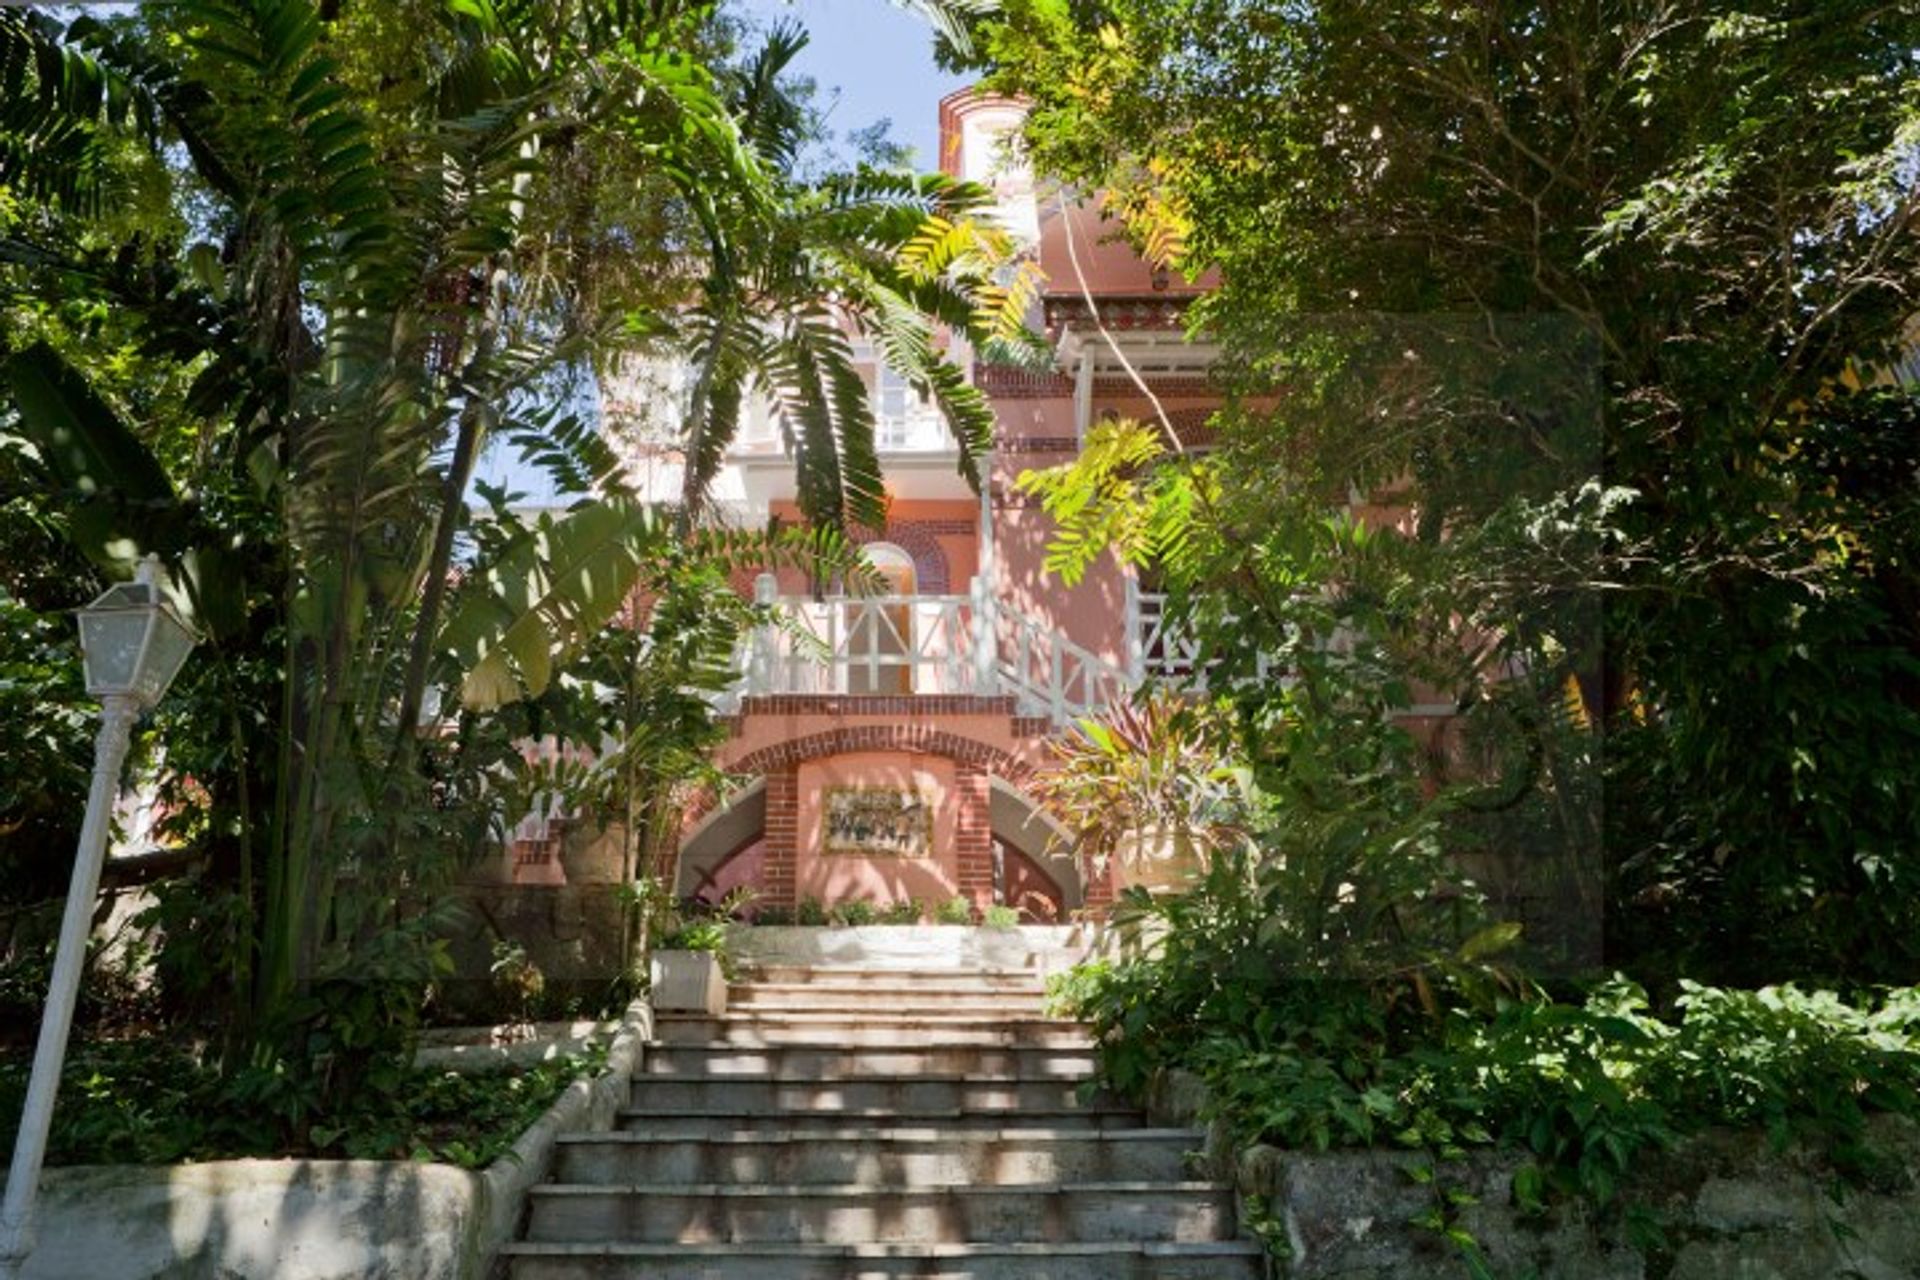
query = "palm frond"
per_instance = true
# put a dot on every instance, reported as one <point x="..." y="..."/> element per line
<point x="952" y="20"/>
<point x="55" y="102"/>
<point x="771" y="119"/>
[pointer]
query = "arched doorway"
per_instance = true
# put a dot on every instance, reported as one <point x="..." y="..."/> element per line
<point x="880" y="631"/>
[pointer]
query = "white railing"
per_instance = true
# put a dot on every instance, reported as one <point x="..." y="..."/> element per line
<point x="870" y="645"/>
<point x="1050" y="675"/>
<point x="910" y="429"/>
<point x="1157" y="649"/>
<point x="966" y="645"/>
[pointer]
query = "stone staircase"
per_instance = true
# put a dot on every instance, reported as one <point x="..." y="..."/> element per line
<point x="843" y="1124"/>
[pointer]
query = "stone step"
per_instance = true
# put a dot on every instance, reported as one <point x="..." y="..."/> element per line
<point x="814" y="1062"/>
<point x="779" y="1213"/>
<point x="1206" y="1260"/>
<point x="715" y="1122"/>
<point x="901" y="1159"/>
<point x="874" y="1029"/>
<point x="865" y="1096"/>
<point x="799" y="998"/>
<point x="1026" y="981"/>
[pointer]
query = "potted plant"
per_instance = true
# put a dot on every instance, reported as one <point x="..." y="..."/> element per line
<point x="688" y="972"/>
<point x="690" y="969"/>
<point x="1143" y="788"/>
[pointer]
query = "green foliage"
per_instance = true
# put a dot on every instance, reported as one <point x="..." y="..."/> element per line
<point x="1000" y="916"/>
<point x="903" y="911"/>
<point x="811" y="912"/>
<point x="1585" y="1090"/>
<point x="44" y="764"/>
<point x="153" y="1102"/>
<point x="1774" y="810"/>
<point x="518" y="980"/>
<point x="1158" y="764"/>
<point x="1473" y="260"/>
<point x="792" y="266"/>
<point x="853" y="914"/>
<point x="955" y="910"/>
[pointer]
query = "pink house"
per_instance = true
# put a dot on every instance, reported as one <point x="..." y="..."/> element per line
<point x="893" y="757"/>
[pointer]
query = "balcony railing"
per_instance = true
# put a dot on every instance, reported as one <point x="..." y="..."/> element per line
<point x="910" y="429"/>
<point x="924" y="644"/>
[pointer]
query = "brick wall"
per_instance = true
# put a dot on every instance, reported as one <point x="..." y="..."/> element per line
<point x="782" y="835"/>
<point x="973" y="835"/>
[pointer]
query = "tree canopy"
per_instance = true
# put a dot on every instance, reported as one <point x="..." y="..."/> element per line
<point x="1592" y="289"/>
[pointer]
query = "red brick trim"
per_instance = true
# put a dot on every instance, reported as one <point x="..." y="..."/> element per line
<point x="1119" y="311"/>
<point x="1121" y="386"/>
<point x="919" y="539"/>
<point x="1038" y="444"/>
<point x="973" y="834"/>
<point x="779" y="867"/>
<point x="1004" y="383"/>
<point x="880" y="704"/>
<point x="915" y="738"/>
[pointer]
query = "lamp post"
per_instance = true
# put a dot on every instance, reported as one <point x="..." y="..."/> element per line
<point x="132" y="644"/>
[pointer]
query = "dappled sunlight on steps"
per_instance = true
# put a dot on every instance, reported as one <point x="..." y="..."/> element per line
<point x="841" y="1124"/>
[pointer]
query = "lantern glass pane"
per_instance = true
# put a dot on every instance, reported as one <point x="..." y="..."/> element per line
<point x="166" y="651"/>
<point x="110" y="644"/>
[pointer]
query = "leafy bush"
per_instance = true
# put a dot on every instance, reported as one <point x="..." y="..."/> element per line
<point x="811" y="911"/>
<point x="854" y="914"/>
<point x="1582" y="1088"/>
<point x="46" y="752"/>
<point x="517" y="979"/>
<point x="151" y="1101"/>
<point x="955" y="910"/>
<point x="1154" y="765"/>
<point x="1000" y="916"/>
<point x="905" y="911"/>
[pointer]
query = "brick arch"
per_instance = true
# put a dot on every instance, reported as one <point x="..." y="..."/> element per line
<point x="919" y="738"/>
<point x="976" y="764"/>
<point x="931" y="574"/>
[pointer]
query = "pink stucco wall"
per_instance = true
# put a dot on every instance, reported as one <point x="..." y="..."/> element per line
<point x="843" y="878"/>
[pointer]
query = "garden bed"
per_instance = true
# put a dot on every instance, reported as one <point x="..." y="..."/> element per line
<point x="437" y="1213"/>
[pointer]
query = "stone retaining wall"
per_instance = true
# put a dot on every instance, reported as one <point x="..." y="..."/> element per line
<point x="1729" y="1206"/>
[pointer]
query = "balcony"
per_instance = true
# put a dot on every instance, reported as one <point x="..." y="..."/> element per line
<point x="971" y="645"/>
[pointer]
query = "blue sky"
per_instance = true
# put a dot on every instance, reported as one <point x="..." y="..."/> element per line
<point x="870" y="60"/>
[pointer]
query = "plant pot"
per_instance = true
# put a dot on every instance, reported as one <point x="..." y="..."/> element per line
<point x="1161" y="858"/>
<point x="688" y="982"/>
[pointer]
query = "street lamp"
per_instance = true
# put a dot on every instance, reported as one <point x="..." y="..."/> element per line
<point x="132" y="644"/>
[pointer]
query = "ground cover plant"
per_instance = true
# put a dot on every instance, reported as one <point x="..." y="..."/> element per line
<point x="148" y="1100"/>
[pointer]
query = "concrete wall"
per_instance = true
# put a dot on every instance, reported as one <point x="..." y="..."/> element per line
<point x="1730" y="1207"/>
<point x="313" y="1219"/>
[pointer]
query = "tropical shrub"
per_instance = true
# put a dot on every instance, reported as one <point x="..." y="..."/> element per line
<point x="904" y="911"/>
<point x="853" y="914"/>
<point x="1138" y="773"/>
<point x="150" y="1101"/>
